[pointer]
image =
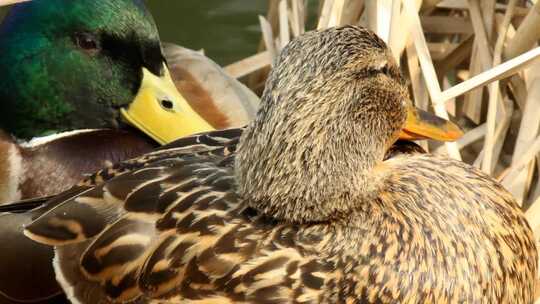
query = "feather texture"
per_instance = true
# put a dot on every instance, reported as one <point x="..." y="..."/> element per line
<point x="301" y="206"/>
<point x="170" y="226"/>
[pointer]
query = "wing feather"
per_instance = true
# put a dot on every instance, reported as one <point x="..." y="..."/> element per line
<point x="169" y="225"/>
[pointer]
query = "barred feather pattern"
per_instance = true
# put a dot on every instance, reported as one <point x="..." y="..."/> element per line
<point x="169" y="228"/>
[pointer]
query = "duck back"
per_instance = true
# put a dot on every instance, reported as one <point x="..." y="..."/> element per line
<point x="170" y="227"/>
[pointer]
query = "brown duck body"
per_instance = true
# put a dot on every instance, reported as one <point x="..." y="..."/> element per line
<point x="299" y="207"/>
<point x="37" y="257"/>
<point x="438" y="231"/>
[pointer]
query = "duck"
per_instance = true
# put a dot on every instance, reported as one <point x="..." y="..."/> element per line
<point x="301" y="205"/>
<point x="88" y="84"/>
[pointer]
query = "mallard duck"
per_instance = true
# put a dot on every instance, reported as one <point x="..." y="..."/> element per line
<point x="300" y="206"/>
<point x="86" y="64"/>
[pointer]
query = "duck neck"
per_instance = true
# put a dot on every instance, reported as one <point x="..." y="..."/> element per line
<point x="301" y="181"/>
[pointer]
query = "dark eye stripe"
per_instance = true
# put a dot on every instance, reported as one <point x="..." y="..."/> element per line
<point x="135" y="52"/>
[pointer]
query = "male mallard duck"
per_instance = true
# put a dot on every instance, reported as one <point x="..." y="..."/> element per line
<point x="300" y="206"/>
<point x="87" y="64"/>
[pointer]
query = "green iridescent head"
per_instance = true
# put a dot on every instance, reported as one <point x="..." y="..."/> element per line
<point x="73" y="64"/>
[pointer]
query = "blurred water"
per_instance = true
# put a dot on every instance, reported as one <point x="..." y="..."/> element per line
<point x="228" y="30"/>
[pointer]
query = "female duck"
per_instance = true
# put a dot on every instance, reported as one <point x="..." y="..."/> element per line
<point x="302" y="209"/>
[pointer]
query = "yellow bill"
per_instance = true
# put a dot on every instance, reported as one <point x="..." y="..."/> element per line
<point x="161" y="112"/>
<point x="424" y="125"/>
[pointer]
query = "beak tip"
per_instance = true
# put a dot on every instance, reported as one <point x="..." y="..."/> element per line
<point x="454" y="132"/>
<point x="425" y="125"/>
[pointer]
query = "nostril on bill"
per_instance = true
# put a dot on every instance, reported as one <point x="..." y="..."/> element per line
<point x="167" y="104"/>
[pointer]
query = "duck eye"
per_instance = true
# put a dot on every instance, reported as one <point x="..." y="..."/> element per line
<point x="86" y="41"/>
<point x="385" y="69"/>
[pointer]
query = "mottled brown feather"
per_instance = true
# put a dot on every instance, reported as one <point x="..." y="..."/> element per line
<point x="236" y="252"/>
<point x="218" y="219"/>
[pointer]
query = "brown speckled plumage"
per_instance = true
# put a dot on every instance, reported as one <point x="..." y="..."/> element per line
<point x="299" y="207"/>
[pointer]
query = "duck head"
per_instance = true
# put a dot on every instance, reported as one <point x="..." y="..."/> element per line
<point x="334" y="103"/>
<point x="88" y="64"/>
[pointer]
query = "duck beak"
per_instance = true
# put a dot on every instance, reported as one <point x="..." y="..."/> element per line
<point x="424" y="125"/>
<point x="161" y="112"/>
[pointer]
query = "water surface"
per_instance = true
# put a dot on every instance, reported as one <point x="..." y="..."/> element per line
<point x="228" y="30"/>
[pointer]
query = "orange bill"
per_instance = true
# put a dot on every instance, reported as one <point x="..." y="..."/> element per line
<point x="424" y="125"/>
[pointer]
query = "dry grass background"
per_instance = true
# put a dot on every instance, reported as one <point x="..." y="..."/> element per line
<point x="473" y="61"/>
